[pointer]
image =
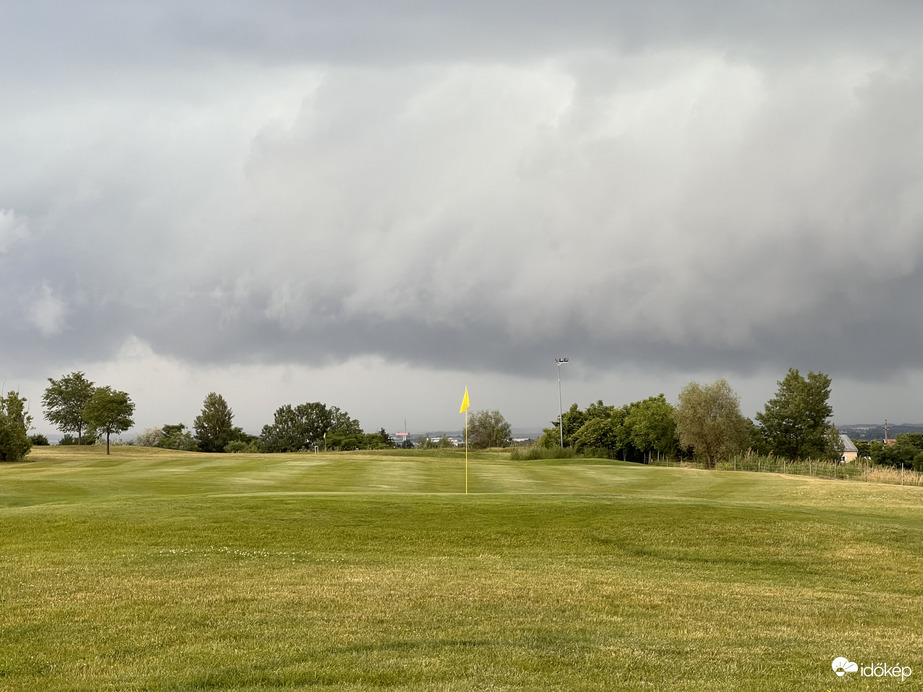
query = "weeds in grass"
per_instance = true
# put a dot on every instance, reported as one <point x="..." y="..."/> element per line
<point x="535" y="452"/>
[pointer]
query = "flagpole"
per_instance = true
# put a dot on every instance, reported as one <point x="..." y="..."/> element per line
<point x="464" y="409"/>
<point x="466" y="449"/>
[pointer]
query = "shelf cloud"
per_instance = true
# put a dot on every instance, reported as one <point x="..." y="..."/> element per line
<point x="467" y="189"/>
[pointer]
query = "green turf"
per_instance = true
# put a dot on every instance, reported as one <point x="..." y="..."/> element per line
<point x="156" y="570"/>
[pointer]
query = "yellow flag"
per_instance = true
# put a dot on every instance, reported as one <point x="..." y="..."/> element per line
<point x="464" y="406"/>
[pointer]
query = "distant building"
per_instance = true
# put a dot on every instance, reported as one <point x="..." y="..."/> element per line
<point x="850" y="452"/>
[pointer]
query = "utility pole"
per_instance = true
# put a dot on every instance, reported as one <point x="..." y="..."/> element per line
<point x="559" y="362"/>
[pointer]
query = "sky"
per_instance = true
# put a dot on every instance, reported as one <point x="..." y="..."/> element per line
<point x="376" y="204"/>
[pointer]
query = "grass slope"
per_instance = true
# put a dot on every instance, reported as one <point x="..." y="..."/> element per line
<point x="156" y="570"/>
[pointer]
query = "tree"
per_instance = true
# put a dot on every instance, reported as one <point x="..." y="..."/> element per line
<point x="242" y="442"/>
<point x="64" y="400"/>
<point x="14" y="428"/>
<point x="343" y="433"/>
<point x="109" y="411"/>
<point x="214" y="427"/>
<point x="574" y="419"/>
<point x="652" y="426"/>
<point x="906" y="449"/>
<point x="488" y="429"/>
<point x="378" y="440"/>
<point x="296" y="428"/>
<point x="599" y="436"/>
<point x="178" y="436"/>
<point x="794" y="424"/>
<point x="708" y="420"/>
<point x="149" y="438"/>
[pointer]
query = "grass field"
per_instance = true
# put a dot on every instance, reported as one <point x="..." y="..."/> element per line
<point x="157" y="570"/>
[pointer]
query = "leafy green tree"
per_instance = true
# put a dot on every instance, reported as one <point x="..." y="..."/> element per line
<point x="344" y="433"/>
<point x="214" y="426"/>
<point x="14" y="428"/>
<point x="242" y="442"/>
<point x="89" y="438"/>
<point x="488" y="429"/>
<point x="243" y="445"/>
<point x="597" y="431"/>
<point x="39" y="440"/>
<point x="64" y="401"/>
<point x="378" y="440"/>
<point x="296" y="428"/>
<point x="904" y="451"/>
<point x="574" y="419"/>
<point x="918" y="462"/>
<point x="708" y="420"/>
<point x="795" y="423"/>
<point x="599" y="436"/>
<point x="608" y="432"/>
<point x="109" y="411"/>
<point x="833" y="443"/>
<point x="914" y="440"/>
<point x="179" y="437"/>
<point x="652" y="426"/>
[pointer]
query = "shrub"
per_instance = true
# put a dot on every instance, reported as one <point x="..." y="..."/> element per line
<point x="14" y="424"/>
<point x="238" y="446"/>
<point x="533" y="452"/>
<point x="149" y="438"/>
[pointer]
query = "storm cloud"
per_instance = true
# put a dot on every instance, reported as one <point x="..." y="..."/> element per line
<point x="662" y="188"/>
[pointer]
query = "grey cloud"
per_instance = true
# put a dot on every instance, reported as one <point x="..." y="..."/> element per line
<point x="471" y="186"/>
<point x="58" y="36"/>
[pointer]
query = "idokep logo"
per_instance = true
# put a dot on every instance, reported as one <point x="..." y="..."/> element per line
<point x="842" y="666"/>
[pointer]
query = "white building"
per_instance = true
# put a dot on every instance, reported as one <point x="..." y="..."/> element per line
<point x="850" y="452"/>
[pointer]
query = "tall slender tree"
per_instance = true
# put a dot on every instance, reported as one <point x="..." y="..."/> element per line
<point x="794" y="423"/>
<point x="214" y="427"/>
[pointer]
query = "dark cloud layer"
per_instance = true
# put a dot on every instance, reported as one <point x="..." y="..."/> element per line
<point x="728" y="186"/>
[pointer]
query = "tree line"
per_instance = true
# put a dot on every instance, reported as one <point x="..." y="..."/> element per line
<point x="74" y="405"/>
<point x="85" y="412"/>
<point x="905" y="451"/>
<point x="706" y="423"/>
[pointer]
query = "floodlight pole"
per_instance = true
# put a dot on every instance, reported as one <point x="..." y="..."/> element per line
<point x="559" y="362"/>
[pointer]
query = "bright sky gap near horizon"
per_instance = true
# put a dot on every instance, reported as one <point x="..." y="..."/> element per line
<point x="376" y="204"/>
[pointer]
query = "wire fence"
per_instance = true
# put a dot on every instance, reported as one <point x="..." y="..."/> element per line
<point x="858" y="470"/>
